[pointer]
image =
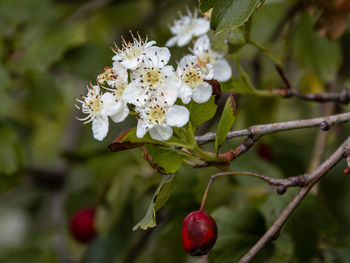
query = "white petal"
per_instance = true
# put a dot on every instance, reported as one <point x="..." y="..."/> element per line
<point x="141" y="128"/>
<point x="100" y="127"/>
<point x="171" y="86"/>
<point x="177" y="116"/>
<point x="171" y="42"/>
<point x="222" y="70"/>
<point x="120" y="71"/>
<point x="149" y="44"/>
<point x="134" y="94"/>
<point x="201" y="26"/>
<point x="185" y="93"/>
<point x="131" y="63"/>
<point x="188" y="59"/>
<point x="161" y="132"/>
<point x="202" y="92"/>
<point x="209" y="72"/>
<point x="121" y="115"/>
<point x="201" y="45"/>
<point x="109" y="104"/>
<point x="184" y="39"/>
<point x="157" y="57"/>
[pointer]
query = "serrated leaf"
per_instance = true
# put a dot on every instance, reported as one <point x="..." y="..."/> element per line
<point x="159" y="199"/>
<point x="168" y="159"/>
<point x="200" y="113"/>
<point x="228" y="13"/>
<point x="227" y="119"/>
<point x="128" y="140"/>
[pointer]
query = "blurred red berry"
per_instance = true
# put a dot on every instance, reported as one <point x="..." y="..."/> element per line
<point x="199" y="233"/>
<point x="82" y="225"/>
<point x="264" y="151"/>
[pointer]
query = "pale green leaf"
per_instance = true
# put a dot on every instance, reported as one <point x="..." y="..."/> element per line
<point x="200" y="113"/>
<point x="227" y="119"/>
<point x="159" y="199"/>
<point x="168" y="159"/>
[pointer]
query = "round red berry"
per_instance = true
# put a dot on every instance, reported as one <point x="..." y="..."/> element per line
<point x="199" y="233"/>
<point x="82" y="225"/>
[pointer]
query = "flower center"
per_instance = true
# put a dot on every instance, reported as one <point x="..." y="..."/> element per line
<point x="120" y="89"/>
<point x="107" y="75"/>
<point x="207" y="58"/>
<point x="152" y="77"/>
<point x="95" y="104"/>
<point x="192" y="77"/>
<point x="133" y="51"/>
<point x="156" y="114"/>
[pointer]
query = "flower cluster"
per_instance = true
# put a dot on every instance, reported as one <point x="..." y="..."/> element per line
<point x="191" y="26"/>
<point x="141" y="80"/>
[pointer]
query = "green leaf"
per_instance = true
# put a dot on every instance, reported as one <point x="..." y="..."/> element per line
<point x="159" y="199"/>
<point x="168" y="159"/>
<point x="200" y="113"/>
<point x="128" y="140"/>
<point x="227" y="119"/>
<point x="228" y="13"/>
<point x="235" y="39"/>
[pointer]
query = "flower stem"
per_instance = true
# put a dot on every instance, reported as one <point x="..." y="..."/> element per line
<point x="222" y="175"/>
<point x="265" y="50"/>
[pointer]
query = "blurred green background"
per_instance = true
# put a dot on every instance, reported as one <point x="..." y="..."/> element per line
<point x="50" y="165"/>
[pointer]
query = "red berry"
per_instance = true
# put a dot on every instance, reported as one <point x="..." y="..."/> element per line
<point x="264" y="151"/>
<point x="82" y="225"/>
<point x="199" y="233"/>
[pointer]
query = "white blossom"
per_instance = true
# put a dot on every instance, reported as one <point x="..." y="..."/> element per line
<point x="99" y="107"/>
<point x="117" y="79"/>
<point x="131" y="53"/>
<point x="158" y="118"/>
<point x="193" y="75"/>
<point x="153" y="79"/>
<point x="186" y="28"/>
<point x="202" y="49"/>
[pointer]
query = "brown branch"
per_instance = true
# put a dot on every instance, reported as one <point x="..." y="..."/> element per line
<point x="312" y="178"/>
<point x="259" y="130"/>
<point x="283" y="184"/>
<point x="288" y="91"/>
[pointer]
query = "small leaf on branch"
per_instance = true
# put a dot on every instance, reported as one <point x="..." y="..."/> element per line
<point x="227" y="119"/>
<point x="164" y="160"/>
<point x="159" y="199"/>
<point x="200" y="113"/>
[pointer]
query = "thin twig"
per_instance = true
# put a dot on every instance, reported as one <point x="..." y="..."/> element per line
<point x="313" y="178"/>
<point x="288" y="91"/>
<point x="259" y="130"/>
<point x="300" y="180"/>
